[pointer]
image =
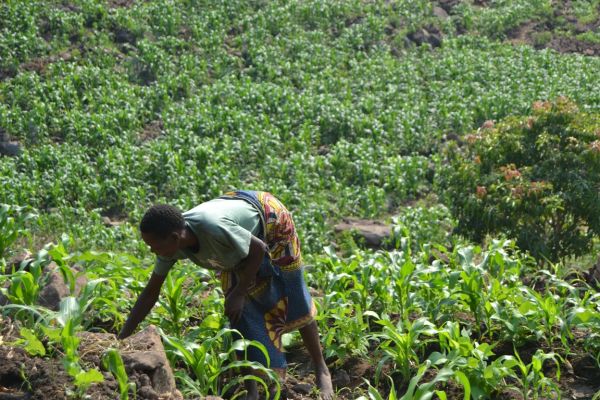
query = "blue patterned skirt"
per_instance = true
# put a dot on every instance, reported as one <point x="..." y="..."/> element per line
<point x="279" y="301"/>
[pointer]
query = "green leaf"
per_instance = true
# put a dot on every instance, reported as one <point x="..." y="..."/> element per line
<point x="32" y="344"/>
<point x="464" y="380"/>
<point x="113" y="361"/>
<point x="584" y="315"/>
<point x="212" y="321"/>
<point x="69" y="310"/>
<point x="86" y="378"/>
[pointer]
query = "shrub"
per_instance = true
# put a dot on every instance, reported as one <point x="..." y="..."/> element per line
<point x="534" y="178"/>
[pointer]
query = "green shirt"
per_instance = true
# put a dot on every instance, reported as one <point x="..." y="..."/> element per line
<point x="224" y="228"/>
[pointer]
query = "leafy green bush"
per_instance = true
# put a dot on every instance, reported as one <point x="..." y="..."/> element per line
<point x="534" y="178"/>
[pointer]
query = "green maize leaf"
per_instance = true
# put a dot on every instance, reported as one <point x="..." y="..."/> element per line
<point x="212" y="321"/>
<point x="584" y="315"/>
<point x="464" y="380"/>
<point x="69" y="310"/>
<point x="53" y="333"/>
<point x="441" y="395"/>
<point x="112" y="361"/>
<point x="374" y="393"/>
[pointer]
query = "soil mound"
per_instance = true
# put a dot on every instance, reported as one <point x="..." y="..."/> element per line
<point x="25" y="377"/>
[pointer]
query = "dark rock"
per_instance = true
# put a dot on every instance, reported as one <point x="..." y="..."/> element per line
<point x="21" y="261"/>
<point x="592" y="276"/>
<point x="302" y="388"/>
<point x="147" y="361"/>
<point x="152" y="361"/>
<point x="448" y="5"/>
<point x="144" y="357"/>
<point x="440" y="13"/>
<point x="56" y="288"/>
<point x="341" y="378"/>
<point x="123" y="35"/>
<point x="10" y="149"/>
<point x="109" y="223"/>
<point x="144" y="380"/>
<point x="374" y="233"/>
<point x="423" y="36"/>
<point x="146" y="392"/>
<point x="3" y="299"/>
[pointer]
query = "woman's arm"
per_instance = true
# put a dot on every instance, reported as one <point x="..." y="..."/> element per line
<point x="143" y="305"/>
<point x="246" y="275"/>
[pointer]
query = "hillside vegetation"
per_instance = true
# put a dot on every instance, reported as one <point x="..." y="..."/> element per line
<point x="410" y="112"/>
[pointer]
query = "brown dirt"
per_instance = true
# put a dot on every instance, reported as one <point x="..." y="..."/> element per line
<point x="120" y="3"/>
<point x="448" y="5"/>
<point x="582" y="379"/>
<point x="574" y="45"/>
<point x="38" y="65"/>
<point x="23" y="377"/>
<point x="523" y="34"/>
<point x="7" y="72"/>
<point x="151" y="130"/>
<point x="565" y="42"/>
<point x="35" y="378"/>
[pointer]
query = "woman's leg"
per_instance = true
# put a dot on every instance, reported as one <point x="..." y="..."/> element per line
<point x="310" y="337"/>
<point x="252" y="389"/>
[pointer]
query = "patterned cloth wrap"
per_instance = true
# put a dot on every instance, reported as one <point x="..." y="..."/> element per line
<point x="279" y="301"/>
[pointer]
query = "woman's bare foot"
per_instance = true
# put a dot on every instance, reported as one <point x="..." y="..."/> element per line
<point x="324" y="383"/>
<point x="310" y="337"/>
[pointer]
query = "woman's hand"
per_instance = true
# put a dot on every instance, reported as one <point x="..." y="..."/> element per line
<point x="234" y="304"/>
<point x="143" y="305"/>
<point x="245" y="272"/>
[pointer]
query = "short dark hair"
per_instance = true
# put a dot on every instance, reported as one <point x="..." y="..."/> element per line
<point x="161" y="220"/>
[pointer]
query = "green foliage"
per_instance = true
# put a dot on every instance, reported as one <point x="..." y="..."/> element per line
<point x="31" y="343"/>
<point x="533" y="383"/>
<point x="112" y="361"/>
<point x="586" y="11"/>
<point x="12" y="225"/>
<point x="500" y="17"/>
<point x="214" y="358"/>
<point x="423" y="224"/>
<point x="534" y="179"/>
<point x="312" y="101"/>
<point x="541" y="38"/>
<point x="69" y="318"/>
<point x="402" y="343"/>
<point x="590" y="37"/>
<point x="330" y="106"/>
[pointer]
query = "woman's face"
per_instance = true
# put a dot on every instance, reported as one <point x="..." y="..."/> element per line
<point x="162" y="247"/>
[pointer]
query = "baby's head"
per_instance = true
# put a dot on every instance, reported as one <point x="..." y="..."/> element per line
<point x="161" y="228"/>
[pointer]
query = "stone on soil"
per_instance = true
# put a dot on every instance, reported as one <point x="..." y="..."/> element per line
<point x="302" y="388"/>
<point x="374" y="233"/>
<point x="56" y="288"/>
<point x="144" y="358"/>
<point x="152" y="361"/>
<point x="341" y="378"/>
